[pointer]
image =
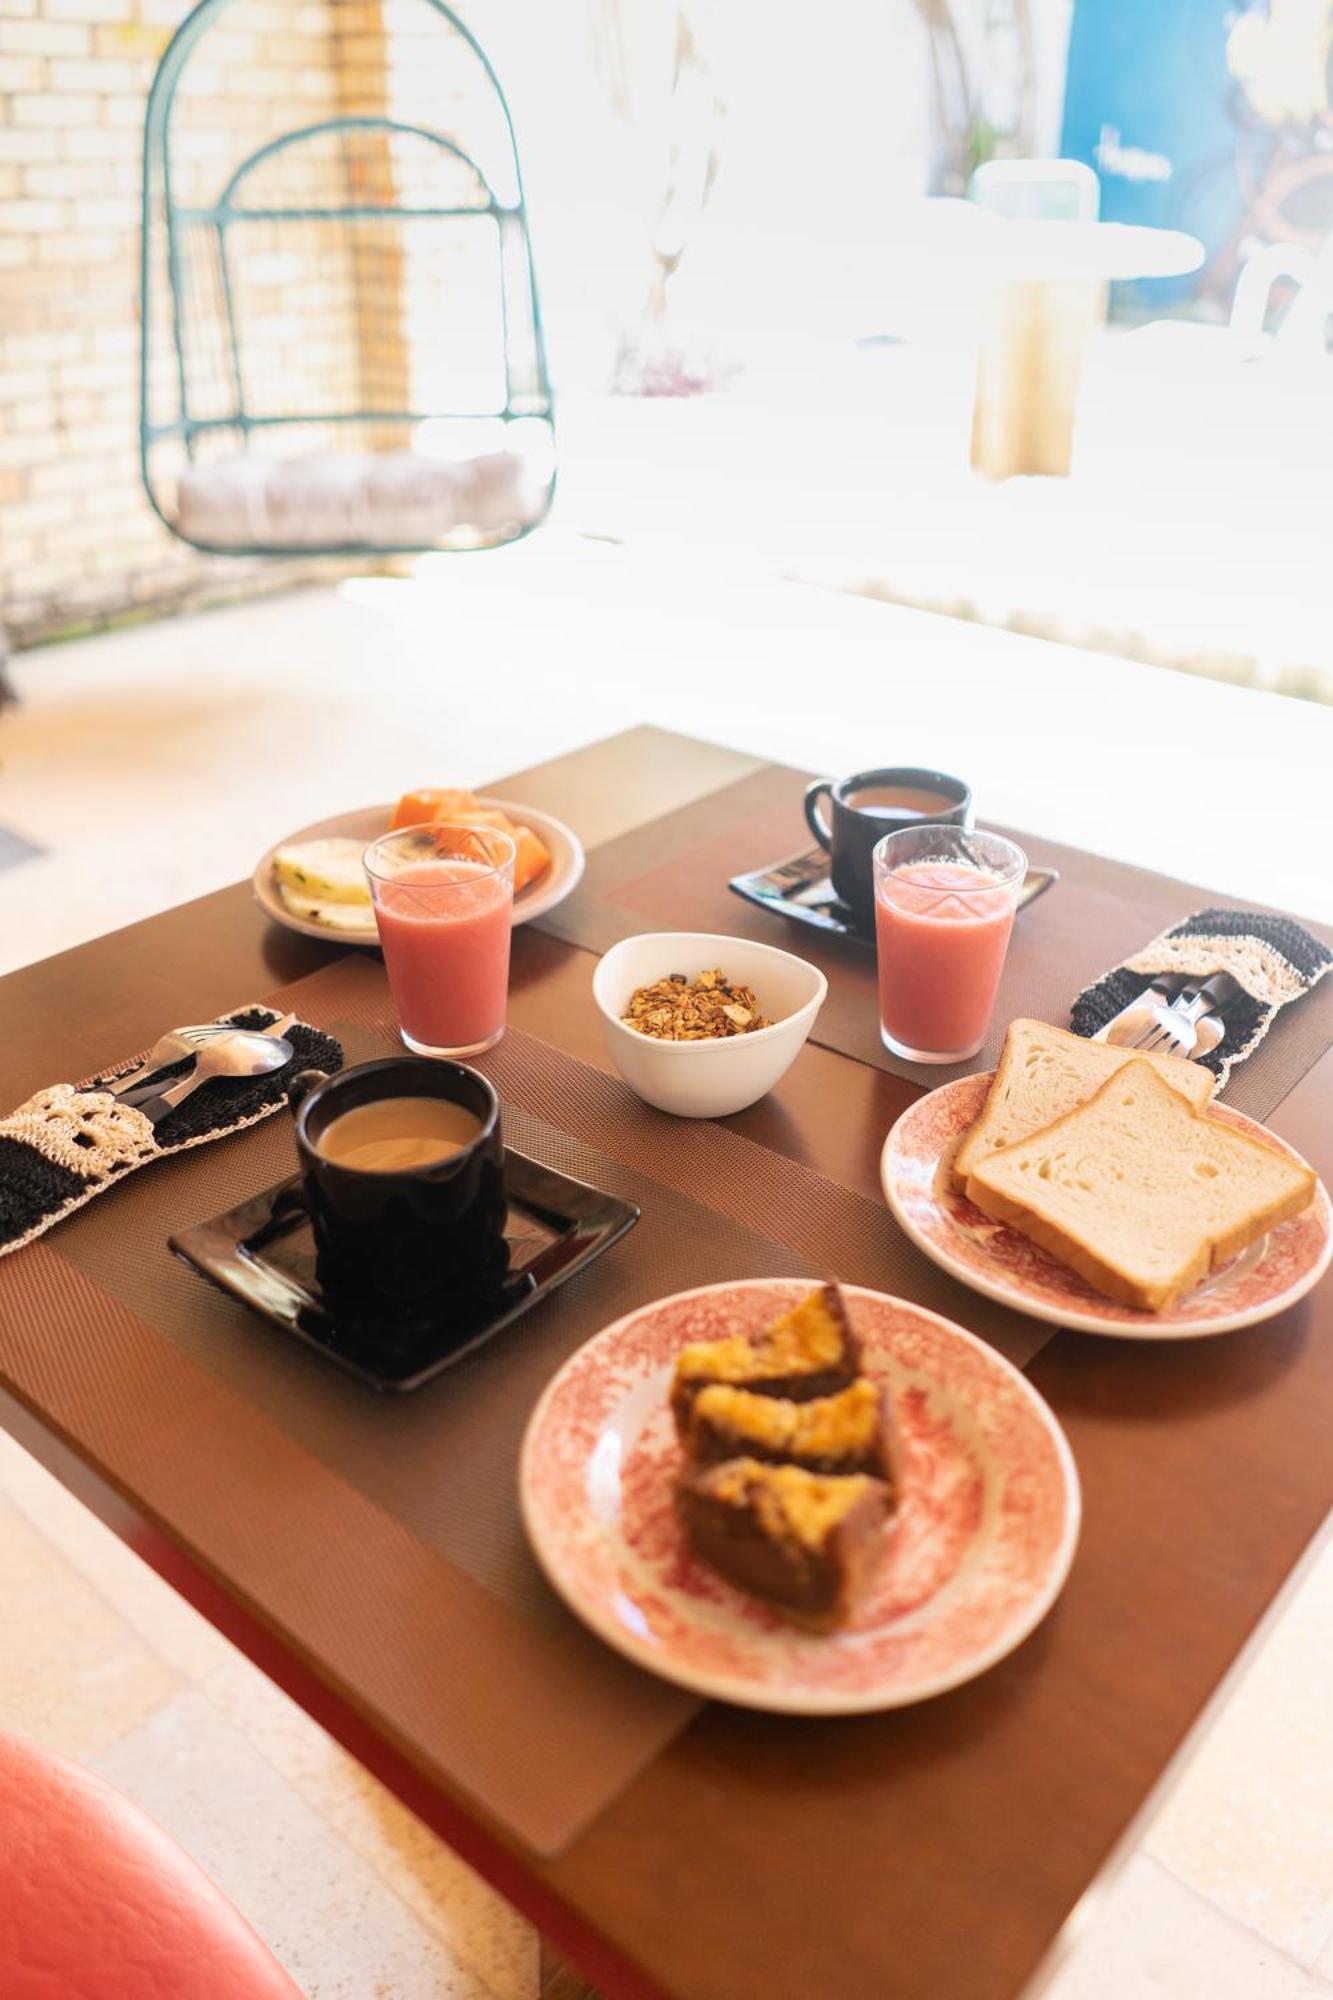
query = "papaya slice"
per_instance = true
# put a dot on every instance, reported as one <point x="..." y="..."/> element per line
<point x="532" y="859"/>
<point x="531" y="854"/>
<point x="427" y="804"/>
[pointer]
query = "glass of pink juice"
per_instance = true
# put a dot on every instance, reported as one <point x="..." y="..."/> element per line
<point x="444" y="903"/>
<point x="944" y="907"/>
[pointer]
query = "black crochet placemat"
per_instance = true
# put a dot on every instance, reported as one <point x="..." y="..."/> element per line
<point x="1272" y="959"/>
<point x="70" y="1142"/>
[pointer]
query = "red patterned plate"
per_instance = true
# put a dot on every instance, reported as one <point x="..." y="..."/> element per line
<point x="992" y="1258"/>
<point x="976" y="1557"/>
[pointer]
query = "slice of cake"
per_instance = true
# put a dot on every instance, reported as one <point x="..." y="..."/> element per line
<point x="806" y="1544"/>
<point x="1138" y="1192"/>
<point x="847" y="1433"/>
<point x="810" y="1351"/>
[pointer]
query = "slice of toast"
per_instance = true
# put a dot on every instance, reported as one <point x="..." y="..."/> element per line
<point x="1045" y="1072"/>
<point x="1138" y="1192"/>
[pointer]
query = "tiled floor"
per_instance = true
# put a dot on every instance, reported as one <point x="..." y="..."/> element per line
<point x="197" y="743"/>
<point x="105" y="1663"/>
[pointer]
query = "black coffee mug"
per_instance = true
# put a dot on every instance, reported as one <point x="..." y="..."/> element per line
<point x="416" y="1245"/>
<point x="860" y="819"/>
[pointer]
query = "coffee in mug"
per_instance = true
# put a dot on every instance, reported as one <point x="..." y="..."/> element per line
<point x="402" y="1162"/>
<point x="869" y="804"/>
<point x="391" y="1133"/>
<point x="900" y="800"/>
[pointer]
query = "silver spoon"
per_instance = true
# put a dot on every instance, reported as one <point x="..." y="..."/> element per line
<point x="179" y="1042"/>
<point x="239" y="1054"/>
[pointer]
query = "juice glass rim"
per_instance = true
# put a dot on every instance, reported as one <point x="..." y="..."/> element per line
<point x="481" y="834"/>
<point x="1007" y="868"/>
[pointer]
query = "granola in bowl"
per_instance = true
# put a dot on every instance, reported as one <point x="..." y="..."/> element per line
<point x="679" y="1009"/>
<point x="664" y="998"/>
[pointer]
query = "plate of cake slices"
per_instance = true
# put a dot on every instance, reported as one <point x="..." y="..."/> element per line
<point x="314" y="882"/>
<point x="1104" y="1190"/>
<point x="815" y="1502"/>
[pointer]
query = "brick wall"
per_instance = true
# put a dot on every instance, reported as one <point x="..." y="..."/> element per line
<point x="78" y="541"/>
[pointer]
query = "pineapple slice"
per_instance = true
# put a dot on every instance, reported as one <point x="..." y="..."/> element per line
<point x="322" y="871"/>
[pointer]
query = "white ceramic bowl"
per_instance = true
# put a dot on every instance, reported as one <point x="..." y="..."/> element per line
<point x="714" y="1078"/>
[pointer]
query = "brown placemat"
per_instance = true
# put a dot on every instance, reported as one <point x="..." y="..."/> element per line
<point x="108" y="1310"/>
<point x="673" y="875"/>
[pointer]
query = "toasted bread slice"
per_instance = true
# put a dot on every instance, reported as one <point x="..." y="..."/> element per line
<point x="1044" y="1072"/>
<point x="1138" y="1192"/>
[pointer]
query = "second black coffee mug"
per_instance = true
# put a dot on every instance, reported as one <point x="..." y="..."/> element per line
<point x="420" y="1244"/>
<point x="869" y="804"/>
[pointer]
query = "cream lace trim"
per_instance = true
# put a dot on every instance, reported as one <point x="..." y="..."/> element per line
<point x="1262" y="971"/>
<point x="87" y="1132"/>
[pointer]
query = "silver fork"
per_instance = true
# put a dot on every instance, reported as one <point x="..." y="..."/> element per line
<point x="1178" y="1028"/>
<point x="179" y="1042"/>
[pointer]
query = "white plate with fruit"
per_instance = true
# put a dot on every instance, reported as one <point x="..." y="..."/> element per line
<point x="313" y="881"/>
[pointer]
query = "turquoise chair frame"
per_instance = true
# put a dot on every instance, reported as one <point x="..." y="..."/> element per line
<point x="160" y="210"/>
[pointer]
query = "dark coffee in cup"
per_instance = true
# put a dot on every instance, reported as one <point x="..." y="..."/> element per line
<point x="403" y="1168"/>
<point x="869" y="804"/>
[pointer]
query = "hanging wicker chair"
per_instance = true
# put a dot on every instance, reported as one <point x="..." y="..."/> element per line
<point x="342" y="347"/>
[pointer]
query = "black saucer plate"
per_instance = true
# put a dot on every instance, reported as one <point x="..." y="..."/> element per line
<point x="800" y="887"/>
<point x="263" y="1253"/>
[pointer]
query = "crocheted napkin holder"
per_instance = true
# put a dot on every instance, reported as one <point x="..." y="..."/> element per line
<point x="73" y="1141"/>
<point x="1272" y="959"/>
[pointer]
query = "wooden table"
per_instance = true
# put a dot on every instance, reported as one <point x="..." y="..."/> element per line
<point x="926" y="1853"/>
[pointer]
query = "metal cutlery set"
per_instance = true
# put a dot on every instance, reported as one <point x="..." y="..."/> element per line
<point x="217" y="1051"/>
<point x="1175" y="1016"/>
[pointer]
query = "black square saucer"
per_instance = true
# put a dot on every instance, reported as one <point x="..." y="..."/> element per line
<point x="801" y="887"/>
<point x="263" y="1253"/>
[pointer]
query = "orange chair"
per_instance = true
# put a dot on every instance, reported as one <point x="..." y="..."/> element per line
<point x="96" y="1903"/>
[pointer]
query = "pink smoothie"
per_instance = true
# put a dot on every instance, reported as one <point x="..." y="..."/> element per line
<point x="444" y="927"/>
<point x="943" y="930"/>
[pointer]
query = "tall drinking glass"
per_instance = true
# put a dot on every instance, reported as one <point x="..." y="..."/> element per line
<point x="444" y="901"/>
<point x="944" y="907"/>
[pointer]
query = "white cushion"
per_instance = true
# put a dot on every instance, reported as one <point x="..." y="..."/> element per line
<point x="225" y="503"/>
<point x="396" y="499"/>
